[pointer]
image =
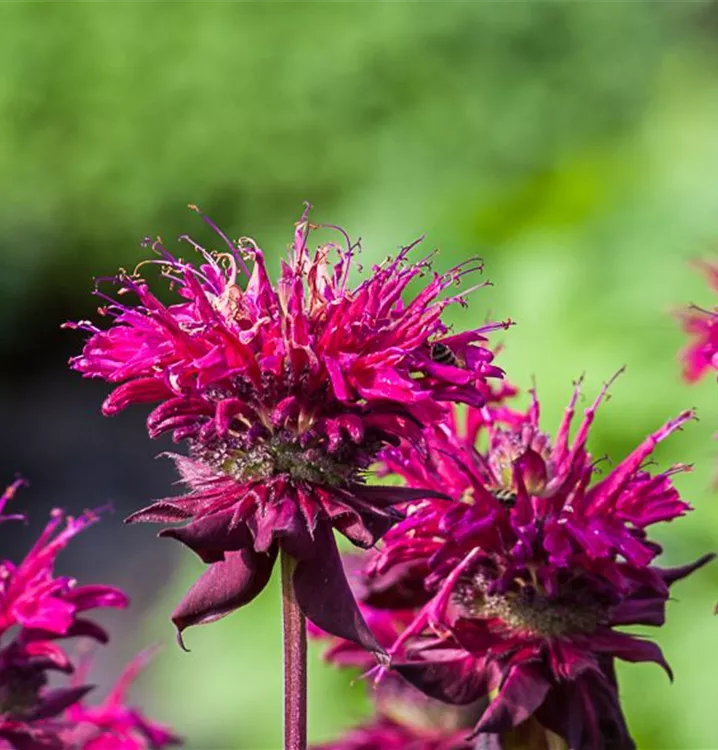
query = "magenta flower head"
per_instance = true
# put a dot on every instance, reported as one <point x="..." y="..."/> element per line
<point x="528" y="573"/>
<point x="113" y="724"/>
<point x="38" y="609"/>
<point x="701" y="325"/>
<point x="45" y="606"/>
<point x="285" y="394"/>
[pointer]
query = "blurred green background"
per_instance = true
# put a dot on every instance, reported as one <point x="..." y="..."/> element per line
<point x="573" y="145"/>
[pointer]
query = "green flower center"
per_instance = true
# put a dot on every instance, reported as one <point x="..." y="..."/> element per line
<point x="279" y="455"/>
<point x="529" y="610"/>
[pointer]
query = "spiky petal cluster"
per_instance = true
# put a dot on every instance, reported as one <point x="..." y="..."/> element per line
<point x="701" y="355"/>
<point x="113" y="724"/>
<point x="38" y="609"/>
<point x="286" y="393"/>
<point x="527" y="573"/>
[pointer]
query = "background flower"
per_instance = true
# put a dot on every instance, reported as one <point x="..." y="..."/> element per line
<point x="39" y="610"/>
<point x="700" y="356"/>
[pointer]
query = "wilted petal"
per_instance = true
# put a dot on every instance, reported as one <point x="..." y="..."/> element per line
<point x="224" y="587"/>
<point x="281" y="521"/>
<point x="211" y="536"/>
<point x="671" y="575"/>
<point x="629" y="648"/>
<point x="324" y="595"/>
<point x="459" y="682"/>
<point x="523" y="691"/>
<point x="56" y="701"/>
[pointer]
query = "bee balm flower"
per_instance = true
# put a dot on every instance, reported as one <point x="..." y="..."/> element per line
<point x="113" y="724"/>
<point x="701" y="355"/>
<point x="38" y="609"/>
<point x="529" y="572"/>
<point x="285" y="393"/>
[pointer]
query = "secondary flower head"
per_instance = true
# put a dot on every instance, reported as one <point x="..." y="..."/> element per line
<point x="285" y="393"/>
<point x="113" y="724"/>
<point x="701" y="325"/>
<point x="46" y="605"/>
<point x="528" y="572"/>
<point x="38" y="610"/>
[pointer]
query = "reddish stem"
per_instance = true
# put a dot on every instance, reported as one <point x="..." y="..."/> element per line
<point x="295" y="661"/>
